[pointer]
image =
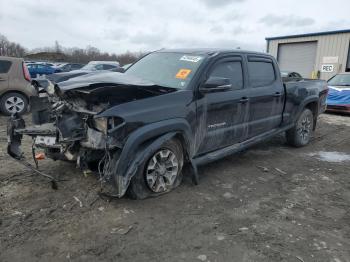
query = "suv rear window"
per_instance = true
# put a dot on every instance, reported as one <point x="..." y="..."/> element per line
<point x="4" y="66"/>
<point x="261" y="73"/>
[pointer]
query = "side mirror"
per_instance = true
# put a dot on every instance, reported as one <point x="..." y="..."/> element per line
<point x="215" y="84"/>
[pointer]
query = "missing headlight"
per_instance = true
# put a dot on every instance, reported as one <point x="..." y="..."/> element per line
<point x="101" y="124"/>
<point x="104" y="124"/>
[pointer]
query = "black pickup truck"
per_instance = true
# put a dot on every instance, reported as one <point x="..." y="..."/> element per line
<point x="171" y="110"/>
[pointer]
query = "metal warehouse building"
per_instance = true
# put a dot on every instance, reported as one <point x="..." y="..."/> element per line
<point x="315" y="55"/>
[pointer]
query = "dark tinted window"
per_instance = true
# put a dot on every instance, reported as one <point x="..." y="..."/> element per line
<point x="66" y="67"/>
<point x="4" y="66"/>
<point x="107" y="67"/>
<point x="75" y="66"/>
<point x="261" y="73"/>
<point x="231" y="70"/>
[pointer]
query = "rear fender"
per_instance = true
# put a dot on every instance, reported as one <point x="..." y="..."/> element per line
<point x="304" y="105"/>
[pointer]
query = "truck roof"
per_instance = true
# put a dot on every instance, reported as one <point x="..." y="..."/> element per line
<point x="210" y="51"/>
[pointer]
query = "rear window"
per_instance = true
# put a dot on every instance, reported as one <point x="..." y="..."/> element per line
<point x="4" y="66"/>
<point x="261" y="73"/>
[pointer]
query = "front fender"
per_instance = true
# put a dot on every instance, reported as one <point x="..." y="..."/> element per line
<point x="145" y="141"/>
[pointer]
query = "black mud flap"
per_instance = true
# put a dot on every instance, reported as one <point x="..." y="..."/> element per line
<point x="14" y="141"/>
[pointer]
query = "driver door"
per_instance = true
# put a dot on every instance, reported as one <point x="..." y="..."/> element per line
<point x="225" y="112"/>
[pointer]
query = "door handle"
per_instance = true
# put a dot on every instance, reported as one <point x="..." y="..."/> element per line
<point x="244" y="100"/>
<point x="1" y="79"/>
<point x="277" y="94"/>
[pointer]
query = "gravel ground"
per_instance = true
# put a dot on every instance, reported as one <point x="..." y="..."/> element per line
<point x="269" y="203"/>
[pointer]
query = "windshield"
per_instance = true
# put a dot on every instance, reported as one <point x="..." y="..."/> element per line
<point x="167" y="69"/>
<point x="340" y="80"/>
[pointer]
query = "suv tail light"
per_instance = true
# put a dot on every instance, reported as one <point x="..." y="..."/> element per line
<point x="26" y="72"/>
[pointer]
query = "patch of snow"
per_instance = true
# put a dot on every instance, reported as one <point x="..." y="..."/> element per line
<point x="220" y="237"/>
<point x="227" y="195"/>
<point x="202" y="257"/>
<point x="334" y="157"/>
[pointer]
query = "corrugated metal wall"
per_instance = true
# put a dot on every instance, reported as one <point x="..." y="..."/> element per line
<point x="328" y="45"/>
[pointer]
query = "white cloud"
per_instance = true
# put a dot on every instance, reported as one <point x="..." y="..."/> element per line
<point x="289" y="20"/>
<point x="137" y="25"/>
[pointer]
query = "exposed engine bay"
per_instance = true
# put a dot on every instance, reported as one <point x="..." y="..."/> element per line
<point x="68" y="123"/>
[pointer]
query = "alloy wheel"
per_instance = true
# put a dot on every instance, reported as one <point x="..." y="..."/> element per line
<point x="162" y="171"/>
<point x="14" y="104"/>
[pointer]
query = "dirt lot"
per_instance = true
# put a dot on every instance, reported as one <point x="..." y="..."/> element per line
<point x="270" y="203"/>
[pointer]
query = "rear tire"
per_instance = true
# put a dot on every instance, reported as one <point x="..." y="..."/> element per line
<point x="12" y="103"/>
<point x="160" y="173"/>
<point x="300" y="135"/>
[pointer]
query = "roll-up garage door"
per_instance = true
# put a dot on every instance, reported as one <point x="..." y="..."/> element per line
<point x="298" y="57"/>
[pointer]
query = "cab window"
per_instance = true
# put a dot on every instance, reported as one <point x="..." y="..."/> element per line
<point x="261" y="73"/>
<point x="231" y="70"/>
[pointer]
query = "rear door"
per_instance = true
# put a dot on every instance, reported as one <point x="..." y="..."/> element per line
<point x="225" y="112"/>
<point x="266" y="95"/>
<point x="5" y="66"/>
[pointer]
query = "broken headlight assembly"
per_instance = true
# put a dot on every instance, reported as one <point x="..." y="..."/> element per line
<point x="101" y="124"/>
<point x="107" y="124"/>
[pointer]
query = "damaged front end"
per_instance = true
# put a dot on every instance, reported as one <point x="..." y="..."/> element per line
<point x="67" y="125"/>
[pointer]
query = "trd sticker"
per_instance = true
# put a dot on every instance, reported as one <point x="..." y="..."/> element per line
<point x="191" y="58"/>
<point x="183" y="73"/>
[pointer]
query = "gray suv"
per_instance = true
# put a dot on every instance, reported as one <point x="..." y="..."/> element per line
<point x="15" y="86"/>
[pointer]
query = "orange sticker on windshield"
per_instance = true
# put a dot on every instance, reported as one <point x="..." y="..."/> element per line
<point x="183" y="73"/>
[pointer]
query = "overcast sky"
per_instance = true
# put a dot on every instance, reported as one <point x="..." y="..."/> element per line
<point x="140" y="25"/>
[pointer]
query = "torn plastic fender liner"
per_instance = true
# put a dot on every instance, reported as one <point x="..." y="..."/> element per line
<point x="123" y="181"/>
<point x="133" y="154"/>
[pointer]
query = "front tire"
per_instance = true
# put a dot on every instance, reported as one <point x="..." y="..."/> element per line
<point x="300" y="135"/>
<point x="160" y="173"/>
<point x="12" y="103"/>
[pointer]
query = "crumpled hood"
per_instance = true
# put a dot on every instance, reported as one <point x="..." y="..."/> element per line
<point x="109" y="88"/>
<point x="64" y="76"/>
<point x="103" y="79"/>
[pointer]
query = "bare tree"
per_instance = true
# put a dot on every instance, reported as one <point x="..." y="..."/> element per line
<point x="73" y="54"/>
<point x="8" y="48"/>
<point x="58" y="47"/>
